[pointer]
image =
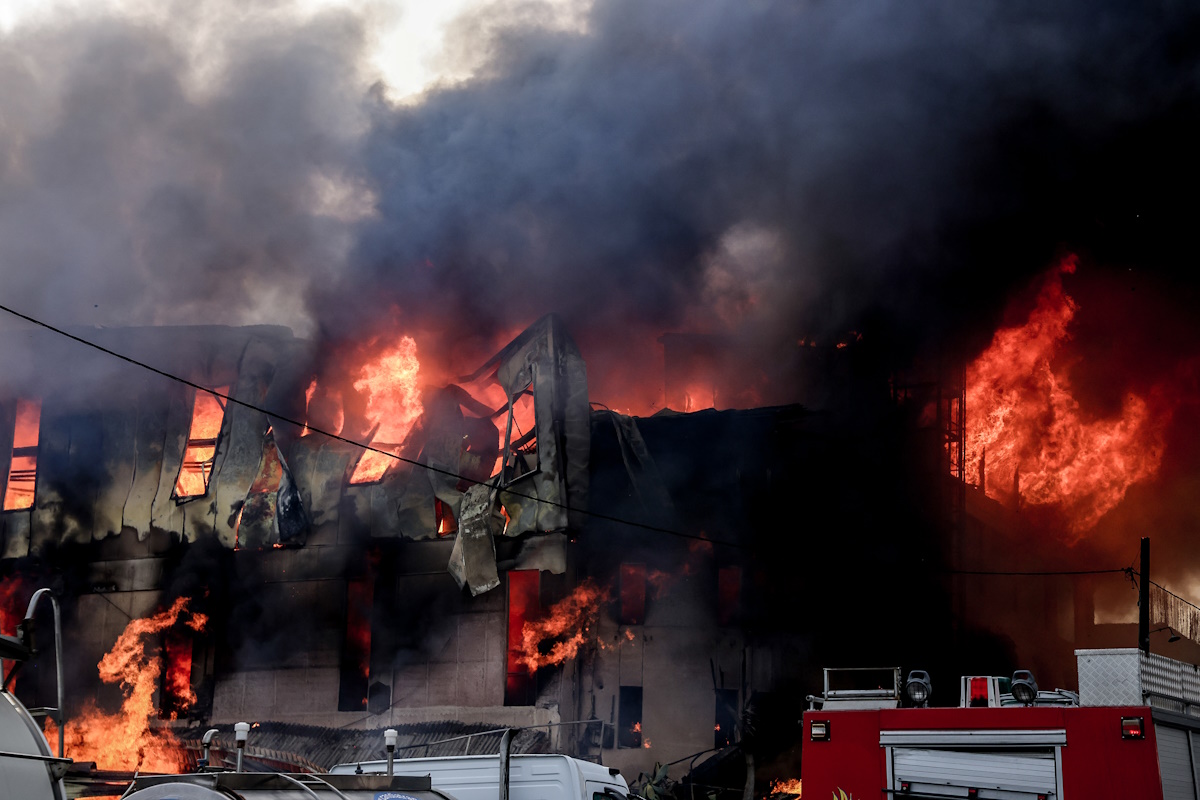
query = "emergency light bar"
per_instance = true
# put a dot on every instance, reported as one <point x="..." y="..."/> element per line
<point x="980" y="691"/>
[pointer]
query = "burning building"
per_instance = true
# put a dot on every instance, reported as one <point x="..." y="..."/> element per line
<point x="513" y="557"/>
<point x="416" y="511"/>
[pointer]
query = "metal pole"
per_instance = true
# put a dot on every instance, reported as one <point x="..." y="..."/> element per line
<point x="1144" y="599"/>
<point x="240" y="731"/>
<point x="505" y="744"/>
<point x="389" y="739"/>
<point x="58" y="661"/>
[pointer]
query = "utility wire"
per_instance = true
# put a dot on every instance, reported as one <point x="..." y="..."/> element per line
<point x="1031" y="573"/>
<point x="337" y="437"/>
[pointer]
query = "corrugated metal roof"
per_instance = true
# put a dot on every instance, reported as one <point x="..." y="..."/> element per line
<point x="278" y="745"/>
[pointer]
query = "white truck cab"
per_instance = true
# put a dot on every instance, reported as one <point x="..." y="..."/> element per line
<point x="531" y="776"/>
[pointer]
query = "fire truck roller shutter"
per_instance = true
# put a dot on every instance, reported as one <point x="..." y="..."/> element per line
<point x="948" y="773"/>
<point x="1175" y="763"/>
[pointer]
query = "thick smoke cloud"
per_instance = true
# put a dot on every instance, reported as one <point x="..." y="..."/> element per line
<point x="177" y="170"/>
<point x="769" y="169"/>
<point x="902" y="163"/>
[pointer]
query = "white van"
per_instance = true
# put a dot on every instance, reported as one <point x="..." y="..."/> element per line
<point x="531" y="776"/>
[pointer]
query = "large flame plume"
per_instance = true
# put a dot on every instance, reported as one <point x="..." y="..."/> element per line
<point x="393" y="404"/>
<point x="125" y="740"/>
<point x="1028" y="439"/>
<point x="569" y="625"/>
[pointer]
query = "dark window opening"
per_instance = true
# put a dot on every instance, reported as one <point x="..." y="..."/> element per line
<point x="633" y="594"/>
<point x="629" y="717"/>
<point x="22" y="468"/>
<point x="177" y="693"/>
<point x="208" y="412"/>
<point x="355" y="668"/>
<point x="521" y="447"/>
<point x="725" y="728"/>
<point x="729" y="595"/>
<point x="520" y="688"/>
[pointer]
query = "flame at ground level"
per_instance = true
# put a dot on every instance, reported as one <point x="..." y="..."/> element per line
<point x="1026" y="433"/>
<point x="791" y="786"/>
<point x="124" y="740"/>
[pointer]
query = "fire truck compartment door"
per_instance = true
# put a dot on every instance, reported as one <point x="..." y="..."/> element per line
<point x="1004" y="775"/>
<point x="1175" y="763"/>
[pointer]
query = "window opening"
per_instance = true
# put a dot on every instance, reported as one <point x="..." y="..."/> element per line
<point x="355" y="669"/>
<point x="177" y="693"/>
<point x="208" y="412"/>
<point x="521" y="438"/>
<point x="22" y="468"/>
<point x="444" y="514"/>
<point x="633" y="594"/>
<point x="726" y="718"/>
<point x="629" y="730"/>
<point x="524" y="604"/>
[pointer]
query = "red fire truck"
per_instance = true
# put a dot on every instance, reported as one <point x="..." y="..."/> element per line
<point x="1133" y="731"/>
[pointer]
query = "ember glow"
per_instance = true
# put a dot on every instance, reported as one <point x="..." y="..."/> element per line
<point x="393" y="405"/>
<point x="791" y="786"/>
<point x="1026" y="433"/>
<point x="568" y="626"/>
<point x="124" y="740"/>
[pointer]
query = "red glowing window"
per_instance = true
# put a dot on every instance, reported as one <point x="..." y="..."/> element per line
<point x="22" y="470"/>
<point x="177" y="693"/>
<point x="729" y="594"/>
<point x="524" y="604"/>
<point x="355" y="668"/>
<point x="208" y="412"/>
<point x="633" y="594"/>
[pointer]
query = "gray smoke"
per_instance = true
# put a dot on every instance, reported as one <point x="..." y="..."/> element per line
<point x="776" y="168"/>
<point x="770" y="169"/>
<point x="176" y="170"/>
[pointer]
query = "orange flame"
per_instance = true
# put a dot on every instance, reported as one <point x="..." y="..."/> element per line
<point x="308" y="396"/>
<point x="1025" y="425"/>
<point x="208" y="411"/>
<point x="393" y="405"/>
<point x="569" y="625"/>
<point x="22" y="470"/>
<point x="124" y="740"/>
<point x="790" y="786"/>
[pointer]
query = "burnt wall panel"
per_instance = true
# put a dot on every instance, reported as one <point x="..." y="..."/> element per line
<point x="240" y="452"/>
<point x="150" y="432"/>
<point x="17" y="525"/>
<point x="62" y="509"/>
<point x="165" y="514"/>
<point x="117" y="463"/>
<point x="319" y="466"/>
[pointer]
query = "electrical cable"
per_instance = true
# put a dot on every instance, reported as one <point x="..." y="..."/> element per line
<point x="337" y="437"/>
<point x="1035" y="573"/>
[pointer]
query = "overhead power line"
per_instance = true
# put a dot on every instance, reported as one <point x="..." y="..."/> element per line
<point x="337" y="437"/>
<point x="1033" y="573"/>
